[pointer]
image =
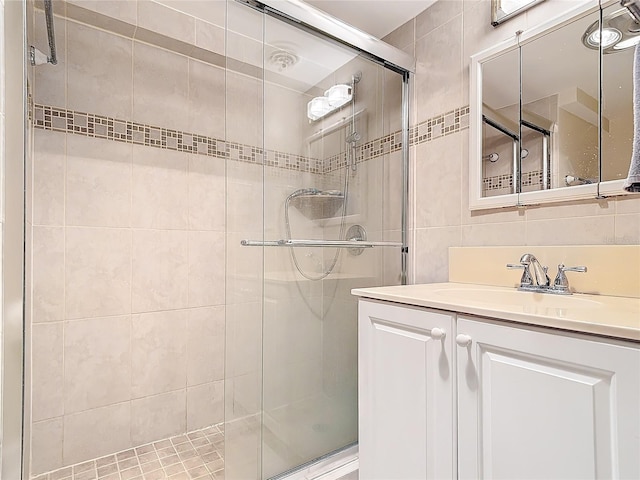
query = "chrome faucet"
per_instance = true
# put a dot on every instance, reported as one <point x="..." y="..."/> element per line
<point x="534" y="275"/>
<point x="535" y="278"/>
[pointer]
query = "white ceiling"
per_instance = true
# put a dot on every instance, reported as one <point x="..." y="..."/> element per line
<point x="377" y="17"/>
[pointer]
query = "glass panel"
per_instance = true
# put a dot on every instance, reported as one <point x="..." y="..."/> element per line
<point x="617" y="94"/>
<point x="500" y="127"/>
<point x="560" y="104"/>
<point x="328" y="167"/>
<point x="244" y="202"/>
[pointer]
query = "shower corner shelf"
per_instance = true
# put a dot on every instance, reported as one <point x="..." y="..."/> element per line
<point x="318" y="206"/>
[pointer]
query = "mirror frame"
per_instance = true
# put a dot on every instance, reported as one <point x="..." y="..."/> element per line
<point x="565" y="194"/>
<point x="497" y="19"/>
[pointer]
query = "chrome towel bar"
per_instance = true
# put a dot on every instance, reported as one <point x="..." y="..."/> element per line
<point x="318" y="243"/>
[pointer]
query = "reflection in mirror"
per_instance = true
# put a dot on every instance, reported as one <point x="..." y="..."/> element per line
<point x="617" y="92"/>
<point x="560" y="108"/>
<point x="500" y="119"/>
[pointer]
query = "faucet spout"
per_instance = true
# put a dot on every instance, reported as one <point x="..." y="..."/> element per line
<point x="537" y="272"/>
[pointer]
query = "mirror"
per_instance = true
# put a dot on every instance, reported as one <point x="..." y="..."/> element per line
<point x="538" y="130"/>
<point x="503" y="10"/>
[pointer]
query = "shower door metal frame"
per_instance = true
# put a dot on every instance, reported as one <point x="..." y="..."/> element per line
<point x="315" y="21"/>
<point x="15" y="364"/>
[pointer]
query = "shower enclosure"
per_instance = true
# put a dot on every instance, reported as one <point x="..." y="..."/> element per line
<point x="207" y="182"/>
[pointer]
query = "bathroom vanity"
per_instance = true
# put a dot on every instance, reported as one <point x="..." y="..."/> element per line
<point x="470" y="381"/>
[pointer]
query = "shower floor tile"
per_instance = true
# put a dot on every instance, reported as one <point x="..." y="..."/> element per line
<point x="197" y="455"/>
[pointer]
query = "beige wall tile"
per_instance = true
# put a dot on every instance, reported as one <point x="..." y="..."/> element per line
<point x="243" y="338"/>
<point x="206" y="268"/>
<point x="46" y="446"/>
<point x="627" y="228"/>
<point x="47" y="274"/>
<point x="125" y="11"/>
<point x="206" y="99"/>
<point x="205" y="405"/>
<point x="98" y="62"/>
<point x="160" y="270"/>
<point x="48" y="177"/>
<point x="160" y="188"/>
<point x="205" y="345"/>
<point x="158" y="417"/>
<point x="159" y="353"/>
<point x="97" y="272"/>
<point x="170" y="22"/>
<point x="160" y="85"/>
<point x="210" y="37"/>
<point x="111" y="425"/>
<point x="438" y="80"/>
<point x="438" y="167"/>
<point x="243" y="280"/>
<point x="431" y="257"/>
<point x="97" y="363"/>
<point x="513" y="233"/>
<point x="244" y="109"/>
<point x="47" y="393"/>
<point x="582" y="208"/>
<point x="628" y="204"/>
<point x="207" y="189"/>
<point x="437" y="15"/>
<point x="572" y="231"/>
<point x="403" y="36"/>
<point x="98" y="182"/>
<point x="212" y="11"/>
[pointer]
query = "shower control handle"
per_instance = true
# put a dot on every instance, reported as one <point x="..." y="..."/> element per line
<point x="463" y="340"/>
<point x="438" y="333"/>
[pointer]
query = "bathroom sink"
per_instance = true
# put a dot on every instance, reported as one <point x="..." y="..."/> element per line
<point x="513" y="297"/>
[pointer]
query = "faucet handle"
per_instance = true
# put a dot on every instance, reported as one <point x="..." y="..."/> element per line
<point x="525" y="280"/>
<point x="561" y="282"/>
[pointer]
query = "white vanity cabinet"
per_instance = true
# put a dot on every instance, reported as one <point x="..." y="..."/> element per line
<point x="532" y="403"/>
<point x="406" y="402"/>
<point x="536" y="404"/>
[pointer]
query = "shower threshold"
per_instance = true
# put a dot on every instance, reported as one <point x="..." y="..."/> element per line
<point x="197" y="455"/>
<point x="338" y="465"/>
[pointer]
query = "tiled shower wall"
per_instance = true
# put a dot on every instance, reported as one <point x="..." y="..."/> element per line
<point x="128" y="254"/>
<point x="443" y="38"/>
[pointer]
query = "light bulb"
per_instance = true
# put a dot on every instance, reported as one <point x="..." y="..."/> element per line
<point x="608" y="37"/>
<point x="318" y="108"/>
<point x="338" y="95"/>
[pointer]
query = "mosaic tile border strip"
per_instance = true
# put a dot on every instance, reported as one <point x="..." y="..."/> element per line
<point x="498" y="182"/>
<point x="109" y="128"/>
<point x="194" y="455"/>
<point x="99" y="126"/>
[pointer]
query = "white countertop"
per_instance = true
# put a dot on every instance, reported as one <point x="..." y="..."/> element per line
<point x="597" y="314"/>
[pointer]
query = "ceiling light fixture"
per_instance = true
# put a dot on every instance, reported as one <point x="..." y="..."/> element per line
<point x="333" y="99"/>
<point x="619" y="31"/>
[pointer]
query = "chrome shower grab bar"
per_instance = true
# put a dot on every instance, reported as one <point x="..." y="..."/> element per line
<point x="318" y="243"/>
<point x="36" y="57"/>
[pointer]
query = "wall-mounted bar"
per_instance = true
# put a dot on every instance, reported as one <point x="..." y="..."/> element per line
<point x="318" y="243"/>
<point x="36" y="57"/>
<point x="499" y="127"/>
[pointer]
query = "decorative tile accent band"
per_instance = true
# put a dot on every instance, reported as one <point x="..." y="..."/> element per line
<point x="98" y="126"/>
<point x="109" y="128"/>
<point x="499" y="182"/>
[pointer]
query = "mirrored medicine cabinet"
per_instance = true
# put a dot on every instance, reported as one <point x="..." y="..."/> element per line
<point x="551" y="110"/>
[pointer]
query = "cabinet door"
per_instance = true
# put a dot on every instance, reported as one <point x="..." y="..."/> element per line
<point x="537" y="405"/>
<point x="406" y="402"/>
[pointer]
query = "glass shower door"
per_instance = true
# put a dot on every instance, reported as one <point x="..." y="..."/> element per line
<point x="330" y="175"/>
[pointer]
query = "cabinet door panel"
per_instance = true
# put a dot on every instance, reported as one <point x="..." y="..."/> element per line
<point x="538" y="405"/>
<point x="405" y="393"/>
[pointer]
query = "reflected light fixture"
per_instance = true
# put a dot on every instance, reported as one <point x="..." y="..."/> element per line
<point x="619" y="31"/>
<point x="333" y="99"/>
